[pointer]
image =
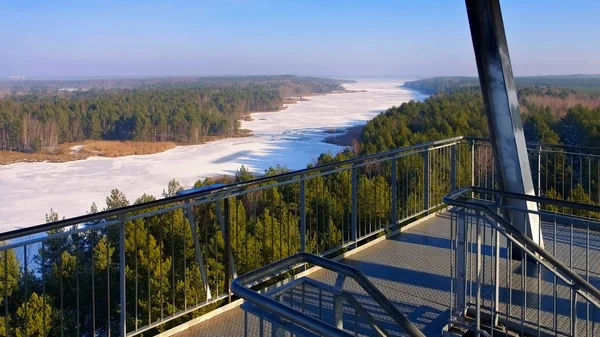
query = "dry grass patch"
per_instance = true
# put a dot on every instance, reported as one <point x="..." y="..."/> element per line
<point x="10" y="157"/>
<point x="99" y="148"/>
<point x="119" y="149"/>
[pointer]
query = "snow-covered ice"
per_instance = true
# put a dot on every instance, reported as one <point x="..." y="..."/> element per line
<point x="292" y="137"/>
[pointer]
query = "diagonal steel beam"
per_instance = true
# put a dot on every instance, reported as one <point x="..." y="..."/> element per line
<point x="502" y="109"/>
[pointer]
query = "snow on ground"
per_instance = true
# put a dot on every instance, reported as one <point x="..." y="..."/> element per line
<point x="76" y="149"/>
<point x="292" y="137"/>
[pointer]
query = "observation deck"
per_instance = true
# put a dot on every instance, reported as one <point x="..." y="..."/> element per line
<point x="424" y="245"/>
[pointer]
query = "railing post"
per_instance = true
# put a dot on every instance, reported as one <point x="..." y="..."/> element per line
<point x="338" y="311"/>
<point x="472" y="163"/>
<point x="574" y="314"/>
<point x="478" y="276"/>
<point x="461" y="263"/>
<point x="394" y="194"/>
<point x="539" y="171"/>
<point x="277" y="330"/>
<point x="122" y="298"/>
<point x="496" y="279"/>
<point x="426" y="179"/>
<point x="227" y="252"/>
<point x="354" y="223"/>
<point x="222" y="224"/>
<point x="302" y="214"/>
<point x="453" y="168"/>
<point x="197" y="250"/>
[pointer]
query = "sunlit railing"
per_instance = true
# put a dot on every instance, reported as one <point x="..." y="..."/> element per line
<point x="305" y="316"/>
<point x="148" y="266"/>
<point x="558" y="171"/>
<point x="143" y="268"/>
<point x="503" y="282"/>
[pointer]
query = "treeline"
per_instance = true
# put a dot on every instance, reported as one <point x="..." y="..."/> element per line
<point x="460" y="112"/>
<point x="298" y="85"/>
<point x="584" y="83"/>
<point x="160" y="112"/>
<point x="440" y="116"/>
<point x="553" y="115"/>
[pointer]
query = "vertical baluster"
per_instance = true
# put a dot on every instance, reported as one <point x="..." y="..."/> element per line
<point x="509" y="265"/>
<point x="245" y="323"/>
<point x="426" y="187"/>
<point x="135" y="255"/>
<point x="122" y="280"/>
<point x="6" y="315"/>
<point x="472" y="163"/>
<point x="94" y="282"/>
<point x="555" y="287"/>
<point x="354" y="224"/>
<point x="589" y="178"/>
<point x="574" y="331"/>
<point x="26" y="272"/>
<point x="160" y="270"/>
<point x="76" y="282"/>
<point x="394" y="192"/>
<point x="62" y="297"/>
<point x="479" y="277"/>
<point x="539" y="289"/>
<point x="227" y="250"/>
<point x="173" y="259"/>
<point x="587" y="275"/>
<point x="148" y="286"/>
<point x="496" y="278"/>
<point x="573" y="294"/>
<point x="539" y="172"/>
<point x="524" y="288"/>
<point x="43" y="267"/>
<point x="453" y="256"/>
<point x="462" y="262"/>
<point x="320" y="304"/>
<point x="107" y="282"/>
<point x="454" y="168"/>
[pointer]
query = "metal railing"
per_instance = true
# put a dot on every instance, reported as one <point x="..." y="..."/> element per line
<point x="141" y="268"/>
<point x="299" y="321"/>
<point x="148" y="266"/>
<point x="503" y="281"/>
<point x="559" y="171"/>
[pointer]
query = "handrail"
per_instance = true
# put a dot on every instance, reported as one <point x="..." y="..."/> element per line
<point x="535" y="144"/>
<point x="454" y="199"/>
<point x="239" y="288"/>
<point x="527" y="197"/>
<point x="222" y="191"/>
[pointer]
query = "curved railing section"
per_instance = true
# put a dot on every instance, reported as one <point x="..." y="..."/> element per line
<point x="241" y="287"/>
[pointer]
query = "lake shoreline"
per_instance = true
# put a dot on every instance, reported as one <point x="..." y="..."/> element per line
<point x="64" y="152"/>
<point x="292" y="139"/>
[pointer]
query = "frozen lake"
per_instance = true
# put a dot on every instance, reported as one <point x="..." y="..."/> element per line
<point x="292" y="137"/>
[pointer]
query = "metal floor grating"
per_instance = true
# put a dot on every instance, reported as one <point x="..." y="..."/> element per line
<point x="411" y="269"/>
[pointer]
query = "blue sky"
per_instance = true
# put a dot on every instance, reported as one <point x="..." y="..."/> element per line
<point x="303" y="37"/>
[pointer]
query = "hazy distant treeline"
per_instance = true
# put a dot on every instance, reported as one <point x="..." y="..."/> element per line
<point x="587" y="83"/>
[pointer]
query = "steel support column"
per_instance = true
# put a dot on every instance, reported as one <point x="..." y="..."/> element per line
<point x="502" y="109"/>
